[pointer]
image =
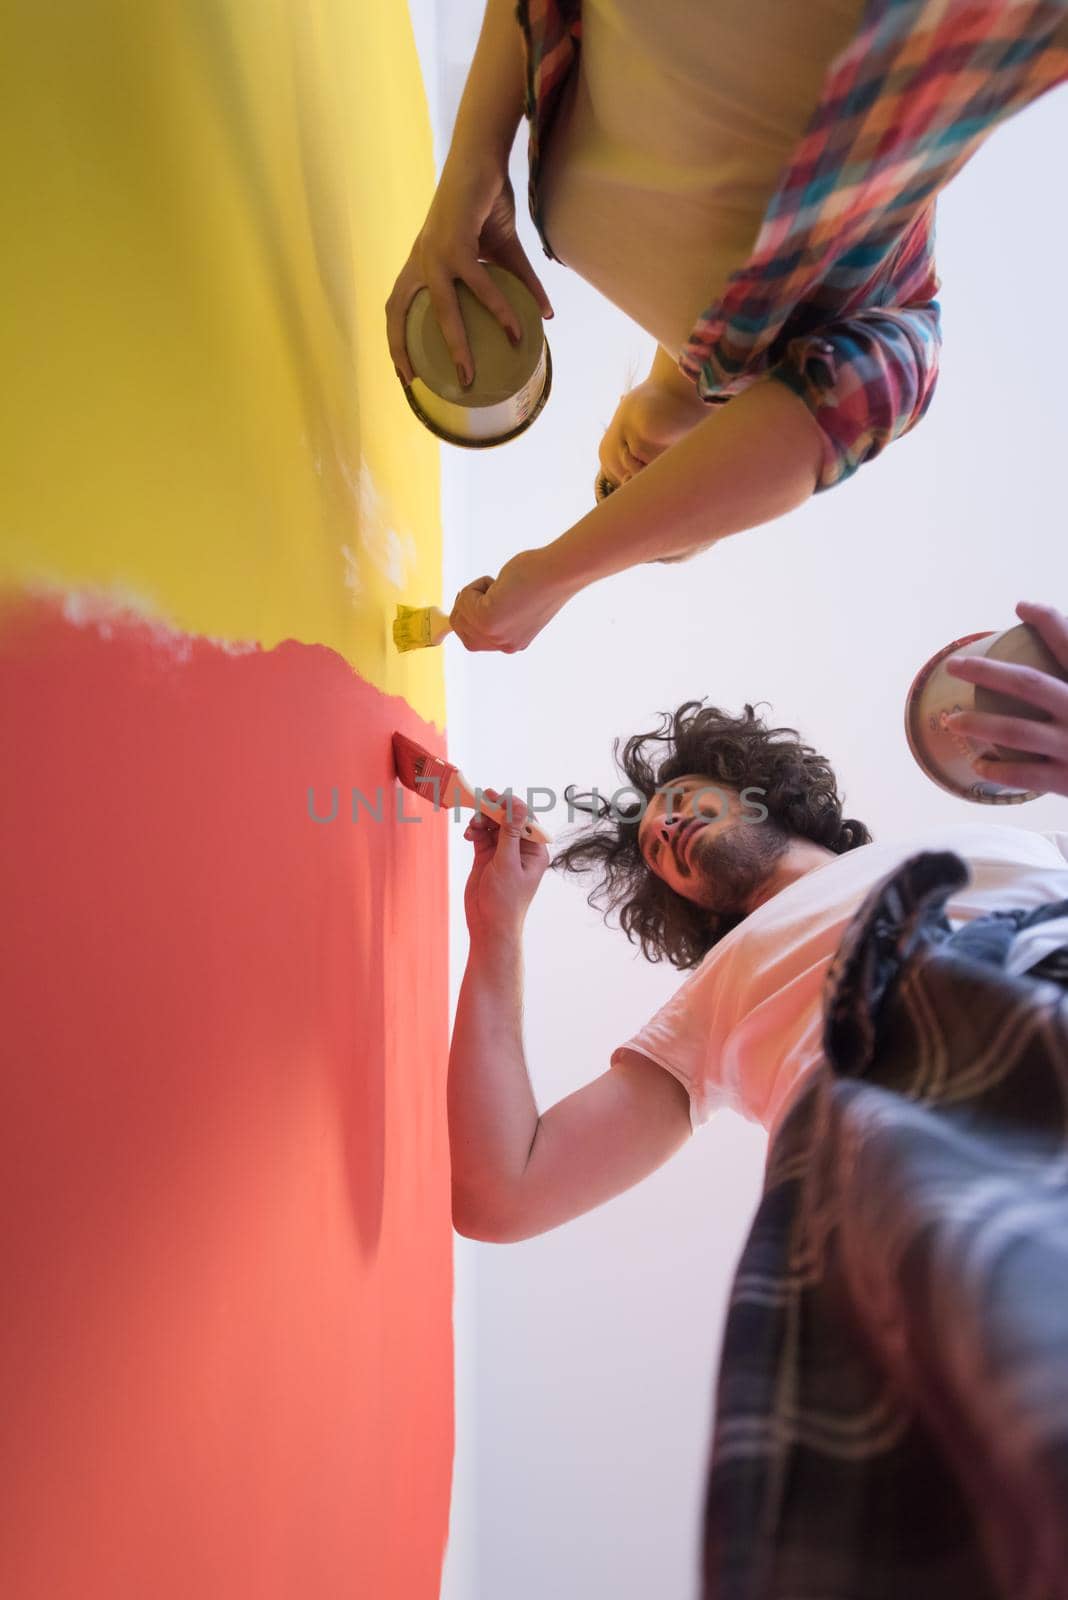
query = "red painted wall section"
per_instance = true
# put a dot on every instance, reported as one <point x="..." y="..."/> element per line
<point x="224" y="1227"/>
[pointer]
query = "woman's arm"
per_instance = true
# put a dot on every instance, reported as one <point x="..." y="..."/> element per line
<point x="472" y="215"/>
<point x="494" y="95"/>
<point x="746" y="463"/>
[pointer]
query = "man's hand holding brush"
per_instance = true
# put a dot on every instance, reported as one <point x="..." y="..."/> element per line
<point x="493" y="1116"/>
<point x="505" y="874"/>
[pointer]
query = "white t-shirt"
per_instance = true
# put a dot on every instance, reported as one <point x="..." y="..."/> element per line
<point x="745" y="1027"/>
<point x="671" y="140"/>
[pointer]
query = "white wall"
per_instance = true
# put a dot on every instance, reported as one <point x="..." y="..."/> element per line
<point x="586" y="1358"/>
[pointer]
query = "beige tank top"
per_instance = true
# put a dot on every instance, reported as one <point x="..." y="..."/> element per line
<point x="671" y="141"/>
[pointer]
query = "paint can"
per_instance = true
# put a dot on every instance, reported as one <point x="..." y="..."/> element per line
<point x="945" y="755"/>
<point x="511" y="382"/>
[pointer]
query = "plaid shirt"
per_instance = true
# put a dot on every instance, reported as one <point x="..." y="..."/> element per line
<point x="837" y="299"/>
<point x="892" y="1405"/>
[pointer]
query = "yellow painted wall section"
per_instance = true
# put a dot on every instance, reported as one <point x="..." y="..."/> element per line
<point x="205" y="207"/>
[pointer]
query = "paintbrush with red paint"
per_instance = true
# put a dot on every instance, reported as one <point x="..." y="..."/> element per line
<point x="437" y="780"/>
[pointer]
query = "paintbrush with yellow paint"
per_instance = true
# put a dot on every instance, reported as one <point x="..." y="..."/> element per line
<point x="416" y="627"/>
<point x="437" y="780"/>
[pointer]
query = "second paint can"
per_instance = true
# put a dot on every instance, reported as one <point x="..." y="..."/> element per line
<point x="945" y="755"/>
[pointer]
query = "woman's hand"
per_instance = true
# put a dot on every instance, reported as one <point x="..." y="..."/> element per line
<point x="471" y="220"/>
<point x="1039" y="689"/>
<point x="505" y="613"/>
<point x="505" y="874"/>
<point x="648" y="420"/>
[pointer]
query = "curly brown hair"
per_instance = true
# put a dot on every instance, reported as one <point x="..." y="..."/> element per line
<point x="795" y="783"/>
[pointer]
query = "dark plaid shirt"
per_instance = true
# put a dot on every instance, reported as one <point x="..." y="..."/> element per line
<point x="892" y="1406"/>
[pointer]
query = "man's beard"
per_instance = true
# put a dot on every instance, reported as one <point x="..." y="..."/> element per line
<point x="730" y="866"/>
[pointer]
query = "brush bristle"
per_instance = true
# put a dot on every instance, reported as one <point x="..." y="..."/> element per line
<point x="411" y="628"/>
<point x="418" y="769"/>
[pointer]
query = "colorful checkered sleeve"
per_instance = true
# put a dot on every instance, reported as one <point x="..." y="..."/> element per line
<point x="837" y="299"/>
<point x="867" y="379"/>
<point x="552" y="30"/>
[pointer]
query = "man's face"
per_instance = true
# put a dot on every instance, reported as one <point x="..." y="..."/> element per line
<point x="709" y="845"/>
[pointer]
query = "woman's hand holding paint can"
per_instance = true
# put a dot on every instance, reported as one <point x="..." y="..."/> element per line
<point x="471" y="221"/>
<point x="1034" y="724"/>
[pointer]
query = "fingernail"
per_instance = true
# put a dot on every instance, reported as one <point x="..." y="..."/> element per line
<point x="515" y="335"/>
<point x="461" y="373"/>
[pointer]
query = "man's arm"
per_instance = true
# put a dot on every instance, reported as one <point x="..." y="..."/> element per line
<point x="597" y="1142"/>
<point x="493" y="1118"/>
<point x="494" y="93"/>
<point x="515" y="1173"/>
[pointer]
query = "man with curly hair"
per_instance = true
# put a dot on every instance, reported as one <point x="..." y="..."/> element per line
<point x="896" y="1015"/>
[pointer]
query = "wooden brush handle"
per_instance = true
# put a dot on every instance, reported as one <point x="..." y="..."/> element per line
<point x="461" y="793"/>
<point x="440" y="626"/>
